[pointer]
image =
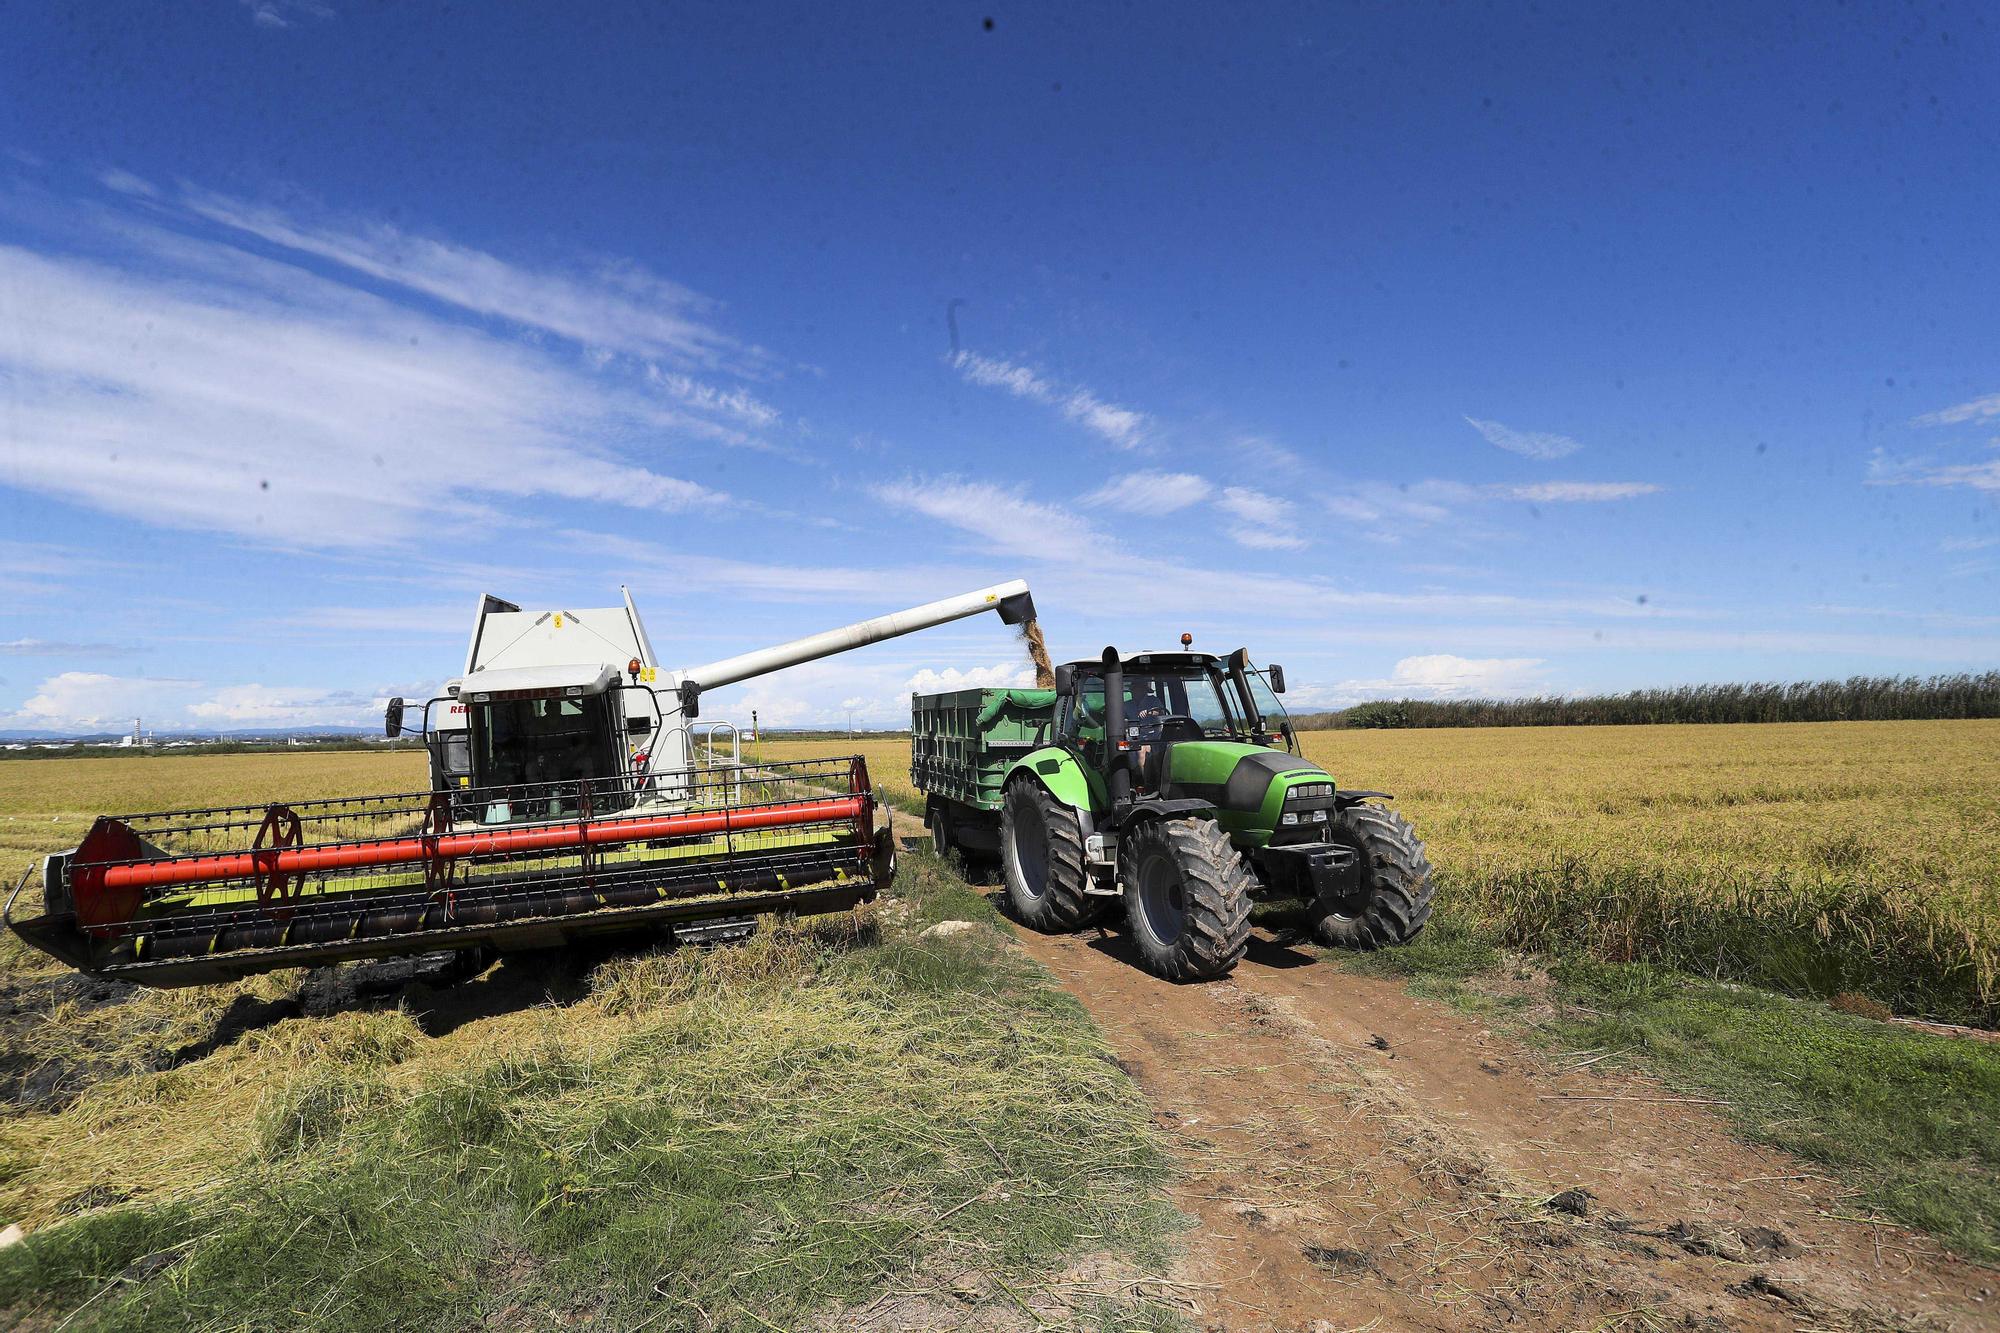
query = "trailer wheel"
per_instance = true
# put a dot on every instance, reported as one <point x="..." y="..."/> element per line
<point x="1187" y="895"/>
<point x="937" y="816"/>
<point x="1041" y="858"/>
<point x="1391" y="900"/>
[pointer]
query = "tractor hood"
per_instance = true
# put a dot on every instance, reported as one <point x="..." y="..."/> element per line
<point x="1235" y="777"/>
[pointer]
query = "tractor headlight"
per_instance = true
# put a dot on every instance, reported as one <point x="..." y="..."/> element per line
<point x="1290" y="817"/>
<point x="1312" y="791"/>
<point x="1319" y="816"/>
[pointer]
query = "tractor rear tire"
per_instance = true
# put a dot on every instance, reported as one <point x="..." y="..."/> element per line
<point x="1392" y="897"/>
<point x="1041" y="858"/>
<point x="1187" y="896"/>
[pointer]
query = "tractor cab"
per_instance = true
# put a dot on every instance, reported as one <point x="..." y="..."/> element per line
<point x="1170" y="699"/>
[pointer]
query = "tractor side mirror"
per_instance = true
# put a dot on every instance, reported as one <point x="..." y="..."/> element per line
<point x="1277" y="678"/>
<point x="1065" y="679"/>
<point x="392" y="720"/>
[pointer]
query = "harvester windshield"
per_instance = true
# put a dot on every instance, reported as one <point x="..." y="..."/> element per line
<point x="519" y="742"/>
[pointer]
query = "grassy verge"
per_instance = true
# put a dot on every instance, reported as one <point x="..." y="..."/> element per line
<point x="749" y="1137"/>
<point x="1906" y="1117"/>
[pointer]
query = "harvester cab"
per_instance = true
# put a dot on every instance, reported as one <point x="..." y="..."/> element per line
<point x="567" y="800"/>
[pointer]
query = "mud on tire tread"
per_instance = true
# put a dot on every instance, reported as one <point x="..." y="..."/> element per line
<point x="1215" y="890"/>
<point x="1396" y="896"/>
<point x="1062" y="905"/>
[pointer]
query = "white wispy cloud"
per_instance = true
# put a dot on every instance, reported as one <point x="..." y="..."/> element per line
<point x="1390" y="513"/>
<point x="1570" y="492"/>
<point x="55" y="648"/>
<point x="1978" y="409"/>
<point x="613" y="305"/>
<point x="1885" y="469"/>
<point x="1543" y="445"/>
<point x="1263" y="522"/>
<point x="1152" y="493"/>
<point x="1074" y="560"/>
<point x="206" y="387"/>
<point x="1005" y="519"/>
<point x="285" y="13"/>
<point x="1121" y="426"/>
<point x="738" y="403"/>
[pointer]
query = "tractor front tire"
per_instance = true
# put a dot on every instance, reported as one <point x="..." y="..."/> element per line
<point x="1041" y="858"/>
<point x="1391" y="900"/>
<point x="1187" y="896"/>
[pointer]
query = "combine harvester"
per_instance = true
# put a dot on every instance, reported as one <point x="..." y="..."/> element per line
<point x="569" y="799"/>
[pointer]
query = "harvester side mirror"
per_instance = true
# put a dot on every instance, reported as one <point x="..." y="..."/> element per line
<point x="1065" y="679"/>
<point x="1277" y="679"/>
<point x="392" y="720"/>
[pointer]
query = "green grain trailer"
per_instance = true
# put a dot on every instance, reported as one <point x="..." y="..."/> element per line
<point x="1171" y="785"/>
<point x="961" y="745"/>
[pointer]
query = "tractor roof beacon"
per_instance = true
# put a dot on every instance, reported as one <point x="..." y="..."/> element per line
<point x="1173" y="781"/>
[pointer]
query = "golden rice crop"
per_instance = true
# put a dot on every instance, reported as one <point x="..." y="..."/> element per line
<point x="1814" y="857"/>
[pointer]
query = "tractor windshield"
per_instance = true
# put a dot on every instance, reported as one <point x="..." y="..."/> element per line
<point x="1191" y="703"/>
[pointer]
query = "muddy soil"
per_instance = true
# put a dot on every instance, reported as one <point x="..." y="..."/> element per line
<point x="31" y="1077"/>
<point x="1353" y="1154"/>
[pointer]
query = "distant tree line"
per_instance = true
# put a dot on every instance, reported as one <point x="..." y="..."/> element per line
<point x="1856" y="699"/>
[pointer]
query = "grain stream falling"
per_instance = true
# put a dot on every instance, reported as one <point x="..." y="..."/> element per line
<point x="1038" y="653"/>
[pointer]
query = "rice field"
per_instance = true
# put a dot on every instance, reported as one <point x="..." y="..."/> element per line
<point x="1815" y="858"/>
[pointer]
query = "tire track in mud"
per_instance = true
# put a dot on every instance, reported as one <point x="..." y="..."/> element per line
<point x="1355" y="1154"/>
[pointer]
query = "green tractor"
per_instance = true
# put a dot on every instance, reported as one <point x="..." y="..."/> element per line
<point x="1172" y="781"/>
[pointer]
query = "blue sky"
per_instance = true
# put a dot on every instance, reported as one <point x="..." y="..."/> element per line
<point x="1426" y="350"/>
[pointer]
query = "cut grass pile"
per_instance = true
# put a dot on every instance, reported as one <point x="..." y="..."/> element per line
<point x="1814" y="858"/>
<point x="739" y="1138"/>
<point x="1903" y="1116"/>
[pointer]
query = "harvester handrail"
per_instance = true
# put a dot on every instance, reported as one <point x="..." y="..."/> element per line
<point x="7" y="912"/>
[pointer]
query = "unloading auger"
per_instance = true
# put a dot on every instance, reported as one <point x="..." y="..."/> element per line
<point x="568" y="799"/>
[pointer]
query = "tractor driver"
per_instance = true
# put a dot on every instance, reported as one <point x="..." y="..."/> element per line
<point x="1146" y="706"/>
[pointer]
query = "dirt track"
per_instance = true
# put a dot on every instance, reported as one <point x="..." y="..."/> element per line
<point x="1355" y="1154"/>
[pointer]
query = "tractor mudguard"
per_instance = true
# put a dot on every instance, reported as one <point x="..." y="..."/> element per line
<point x="1067" y="780"/>
<point x="1142" y="810"/>
<point x="1342" y="798"/>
